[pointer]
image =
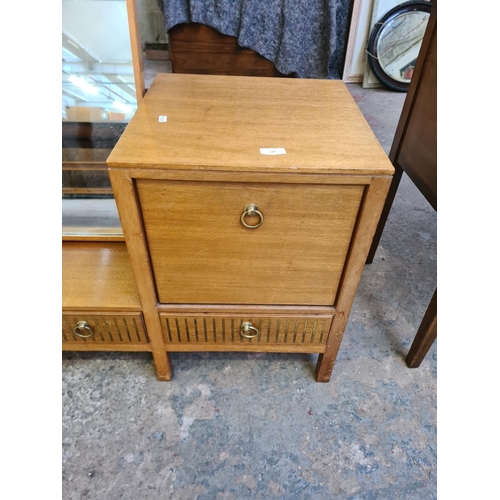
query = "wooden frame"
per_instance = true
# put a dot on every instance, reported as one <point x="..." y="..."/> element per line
<point x="361" y="12"/>
<point x="125" y="196"/>
<point x="135" y="43"/>
<point x="96" y="234"/>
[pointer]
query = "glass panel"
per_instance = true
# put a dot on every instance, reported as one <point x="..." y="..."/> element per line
<point x="98" y="100"/>
<point x="399" y="44"/>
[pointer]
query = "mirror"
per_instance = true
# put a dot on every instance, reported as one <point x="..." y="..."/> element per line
<point x="395" y="43"/>
<point x="101" y="86"/>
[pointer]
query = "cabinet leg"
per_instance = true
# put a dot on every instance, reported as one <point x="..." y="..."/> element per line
<point x="163" y="365"/>
<point x="425" y="336"/>
<point x="326" y="360"/>
<point x="396" y="179"/>
<point x="323" y="369"/>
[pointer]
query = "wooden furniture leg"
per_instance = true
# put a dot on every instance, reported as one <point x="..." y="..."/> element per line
<point x="132" y="228"/>
<point x="425" y="336"/>
<point x="326" y="360"/>
<point x="370" y="211"/>
<point x="396" y="179"/>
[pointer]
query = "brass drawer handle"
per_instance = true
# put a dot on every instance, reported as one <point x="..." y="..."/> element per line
<point x="251" y="209"/>
<point x="82" y="326"/>
<point x="247" y="327"/>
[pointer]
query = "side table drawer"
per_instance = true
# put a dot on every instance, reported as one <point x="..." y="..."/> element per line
<point x="108" y="328"/>
<point x="259" y="333"/>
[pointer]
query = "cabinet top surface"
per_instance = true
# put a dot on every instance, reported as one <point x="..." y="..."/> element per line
<point x="222" y="122"/>
<point x="98" y="275"/>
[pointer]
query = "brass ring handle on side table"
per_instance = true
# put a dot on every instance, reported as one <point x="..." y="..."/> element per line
<point x="82" y="326"/>
<point x="245" y="330"/>
<point x="251" y="209"/>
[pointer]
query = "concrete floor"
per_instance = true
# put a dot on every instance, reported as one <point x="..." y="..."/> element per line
<point x="241" y="426"/>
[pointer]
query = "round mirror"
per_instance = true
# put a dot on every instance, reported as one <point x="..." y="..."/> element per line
<point x="395" y="42"/>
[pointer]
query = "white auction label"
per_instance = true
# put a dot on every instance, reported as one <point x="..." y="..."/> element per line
<point x="162" y="118"/>
<point x="272" y="151"/>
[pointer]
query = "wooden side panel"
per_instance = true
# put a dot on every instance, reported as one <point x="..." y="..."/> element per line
<point x="414" y="148"/>
<point x="196" y="48"/>
<point x="418" y="150"/>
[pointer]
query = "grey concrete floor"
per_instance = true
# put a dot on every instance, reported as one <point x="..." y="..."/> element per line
<point x="240" y="425"/>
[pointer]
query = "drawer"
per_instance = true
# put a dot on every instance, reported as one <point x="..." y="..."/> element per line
<point x="109" y="328"/>
<point x="202" y="252"/>
<point x="233" y="332"/>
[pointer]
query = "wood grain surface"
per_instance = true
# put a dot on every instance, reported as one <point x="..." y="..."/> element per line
<point x="122" y="328"/>
<point x="98" y="276"/>
<point x="130" y="217"/>
<point x="202" y="253"/>
<point x="216" y="121"/>
<point x="136" y="48"/>
<point x="273" y="332"/>
<point x="211" y="309"/>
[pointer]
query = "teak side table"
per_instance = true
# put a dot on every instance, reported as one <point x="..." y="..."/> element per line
<point x="233" y="246"/>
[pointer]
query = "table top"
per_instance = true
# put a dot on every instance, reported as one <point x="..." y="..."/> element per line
<point x="98" y="275"/>
<point x="214" y="122"/>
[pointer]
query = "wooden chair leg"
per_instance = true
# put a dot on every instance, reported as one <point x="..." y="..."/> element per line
<point x="396" y="179"/>
<point x="425" y="336"/>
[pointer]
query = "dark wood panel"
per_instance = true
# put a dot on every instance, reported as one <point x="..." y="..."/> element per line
<point x="195" y="48"/>
<point x="98" y="135"/>
<point x="85" y="148"/>
<point x="417" y="140"/>
<point x="417" y="155"/>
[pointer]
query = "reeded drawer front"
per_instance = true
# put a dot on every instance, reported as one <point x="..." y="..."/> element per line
<point x="125" y="328"/>
<point x="208" y="247"/>
<point x="201" y="331"/>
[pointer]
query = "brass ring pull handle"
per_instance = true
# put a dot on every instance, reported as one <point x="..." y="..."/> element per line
<point x="246" y="328"/>
<point x="251" y="209"/>
<point x="82" y="326"/>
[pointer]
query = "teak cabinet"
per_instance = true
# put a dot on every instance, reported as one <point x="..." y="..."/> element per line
<point x="234" y="247"/>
